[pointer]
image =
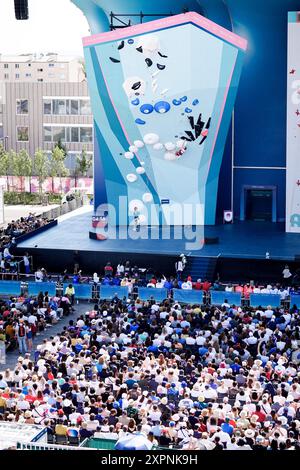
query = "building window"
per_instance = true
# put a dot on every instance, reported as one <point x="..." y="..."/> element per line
<point x="74" y="107"/>
<point x="22" y="134"/>
<point x="51" y="65"/>
<point x="59" y="133"/>
<point x="62" y="76"/>
<point x="47" y="106"/>
<point x="1" y="135"/>
<point x="29" y="65"/>
<point x="40" y="79"/>
<point x="86" y="134"/>
<point x="47" y="133"/>
<point x="17" y="66"/>
<point x="40" y="70"/>
<point x="74" y="134"/>
<point x="17" y="75"/>
<point x="6" y="66"/>
<point x="28" y="75"/>
<point x="6" y="76"/>
<point x="70" y="134"/>
<point x="85" y="107"/>
<point x="51" y="75"/>
<point x="22" y="106"/>
<point x="59" y="107"/>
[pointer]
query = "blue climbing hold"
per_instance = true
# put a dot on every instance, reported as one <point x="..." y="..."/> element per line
<point x="130" y="41"/>
<point x="176" y="102"/>
<point x="295" y="220"/>
<point x="195" y="102"/>
<point x="146" y="108"/>
<point x="184" y="98"/>
<point x="135" y="102"/>
<point x="140" y="121"/>
<point x="188" y="110"/>
<point x="162" y="107"/>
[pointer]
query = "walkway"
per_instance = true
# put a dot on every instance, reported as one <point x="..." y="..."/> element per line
<point x="12" y="357"/>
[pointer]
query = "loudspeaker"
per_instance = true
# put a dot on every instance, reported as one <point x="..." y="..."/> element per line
<point x="21" y="9"/>
<point x="211" y="240"/>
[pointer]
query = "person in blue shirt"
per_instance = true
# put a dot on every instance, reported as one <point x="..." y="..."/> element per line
<point x="227" y="427"/>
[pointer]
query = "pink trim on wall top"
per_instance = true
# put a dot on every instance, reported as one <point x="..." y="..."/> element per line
<point x="168" y="22"/>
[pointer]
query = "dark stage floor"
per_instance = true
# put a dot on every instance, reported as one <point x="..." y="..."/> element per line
<point x="250" y="240"/>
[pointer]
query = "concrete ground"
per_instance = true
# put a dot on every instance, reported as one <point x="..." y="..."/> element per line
<point x="12" y="357"/>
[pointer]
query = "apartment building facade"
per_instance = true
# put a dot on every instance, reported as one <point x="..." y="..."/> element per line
<point x="41" y="68"/>
<point x="37" y="114"/>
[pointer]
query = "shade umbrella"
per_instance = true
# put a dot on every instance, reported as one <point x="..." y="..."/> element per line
<point x="133" y="442"/>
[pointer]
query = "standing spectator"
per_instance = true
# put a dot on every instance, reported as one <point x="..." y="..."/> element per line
<point x="70" y="293"/>
<point x="26" y="264"/>
<point x="287" y="275"/>
<point x="21" y="336"/>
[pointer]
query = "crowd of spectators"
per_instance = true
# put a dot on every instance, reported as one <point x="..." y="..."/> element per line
<point x="192" y="377"/>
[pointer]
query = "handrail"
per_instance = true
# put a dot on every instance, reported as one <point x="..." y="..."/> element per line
<point x="45" y="446"/>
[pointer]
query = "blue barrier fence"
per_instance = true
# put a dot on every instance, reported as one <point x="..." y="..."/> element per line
<point x="145" y="293"/>
<point x="188" y="296"/>
<point x="34" y="288"/>
<point x="295" y="300"/>
<point x="108" y="292"/>
<point x="219" y="297"/>
<point x="264" y="300"/>
<point x="82" y="291"/>
<point x="10" y="287"/>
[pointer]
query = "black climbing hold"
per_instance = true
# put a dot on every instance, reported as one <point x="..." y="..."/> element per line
<point x="136" y="85"/>
<point x="164" y="56"/>
<point x="161" y="67"/>
<point x="121" y="45"/>
<point x="139" y="49"/>
<point x="114" y="60"/>
<point x="148" y="62"/>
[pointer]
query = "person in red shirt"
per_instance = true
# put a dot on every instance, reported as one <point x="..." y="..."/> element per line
<point x="206" y="285"/>
<point x="239" y="289"/>
<point x="108" y="270"/>
<point x="260" y="414"/>
<point x="198" y="285"/>
<point x="247" y="291"/>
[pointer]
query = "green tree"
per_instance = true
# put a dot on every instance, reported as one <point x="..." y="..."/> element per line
<point x="21" y="165"/>
<point x="5" y="164"/>
<point x="57" y="167"/>
<point x="41" y="168"/>
<point x="83" y="164"/>
<point x="61" y="146"/>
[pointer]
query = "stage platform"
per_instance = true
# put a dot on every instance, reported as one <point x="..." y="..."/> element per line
<point x="241" y="240"/>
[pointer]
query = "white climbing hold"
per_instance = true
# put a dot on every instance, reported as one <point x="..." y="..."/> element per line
<point x="151" y="139"/>
<point x="155" y="73"/>
<point x="140" y="170"/>
<point x="138" y="143"/>
<point x="129" y="155"/>
<point x="133" y="148"/>
<point x="180" y="143"/>
<point x="170" y="146"/>
<point x="131" y="178"/>
<point x="136" y="203"/>
<point x="147" y="197"/>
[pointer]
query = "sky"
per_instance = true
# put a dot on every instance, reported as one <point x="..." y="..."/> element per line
<point x="53" y="26"/>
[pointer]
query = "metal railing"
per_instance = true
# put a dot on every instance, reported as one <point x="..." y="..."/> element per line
<point x="45" y="446"/>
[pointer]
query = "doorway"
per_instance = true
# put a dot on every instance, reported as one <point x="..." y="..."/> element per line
<point x="258" y="203"/>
